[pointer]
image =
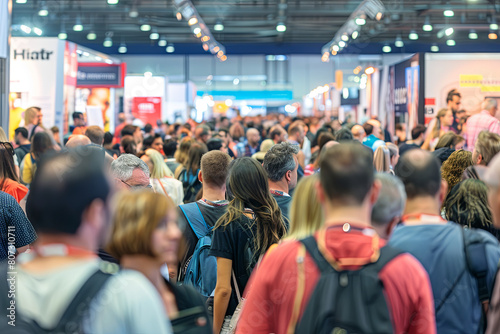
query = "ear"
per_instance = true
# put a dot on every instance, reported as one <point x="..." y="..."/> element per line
<point x="320" y="192"/>
<point x="391" y="226"/>
<point x="94" y="216"/>
<point x="288" y="176"/>
<point x="479" y="159"/>
<point x="375" y="191"/>
<point x="200" y="177"/>
<point x="443" y="191"/>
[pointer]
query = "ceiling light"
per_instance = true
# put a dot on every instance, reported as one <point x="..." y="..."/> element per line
<point x="178" y="15"/>
<point x="472" y="34"/>
<point x="360" y="21"/>
<point x="86" y="54"/>
<point x="450" y="42"/>
<point x="448" y="13"/>
<point x="370" y="70"/>
<point x="78" y="24"/>
<point x="122" y="48"/>
<point x="192" y="21"/>
<point x="386" y="49"/>
<point x="413" y="35"/>
<point x="133" y="12"/>
<point x="345" y="38"/>
<point x="197" y="30"/>
<point x="492" y="35"/>
<point x="335" y="48"/>
<point x="449" y="31"/>
<point x="218" y="26"/>
<point x="98" y="58"/>
<point x="493" y="24"/>
<point x="354" y="35"/>
<point x="228" y="102"/>
<point x="43" y="11"/>
<point x="357" y="70"/>
<point x="62" y="35"/>
<point x="334" y="53"/>
<point x="341" y="44"/>
<point x="148" y="74"/>
<point x="154" y="35"/>
<point x="91" y="36"/>
<point x="170" y="48"/>
<point x="379" y="15"/>
<point x="205" y="46"/>
<point x="435" y="48"/>
<point x="108" y="61"/>
<point x="205" y="38"/>
<point x="223" y="58"/>
<point x="25" y="28"/>
<point x="281" y="27"/>
<point x="427" y="25"/>
<point x="145" y="27"/>
<point x="37" y="31"/>
<point x="236" y="81"/>
<point x="21" y="1"/>
<point x="108" y="42"/>
<point x="162" y="42"/>
<point x="113" y="2"/>
<point x="399" y="42"/>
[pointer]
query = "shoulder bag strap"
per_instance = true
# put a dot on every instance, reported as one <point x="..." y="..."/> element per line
<point x="163" y="188"/>
<point x="236" y="289"/>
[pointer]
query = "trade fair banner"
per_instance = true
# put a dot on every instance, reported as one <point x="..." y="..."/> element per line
<point x="147" y="109"/>
<point x="101" y="75"/>
<point x="36" y="79"/>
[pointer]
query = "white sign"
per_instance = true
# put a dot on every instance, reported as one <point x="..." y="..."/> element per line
<point x="4" y="27"/>
<point x="94" y="116"/>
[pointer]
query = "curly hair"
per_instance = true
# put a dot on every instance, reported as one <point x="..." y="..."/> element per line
<point x="454" y="167"/>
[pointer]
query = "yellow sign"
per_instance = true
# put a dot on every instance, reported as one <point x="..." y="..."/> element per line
<point x="478" y="81"/>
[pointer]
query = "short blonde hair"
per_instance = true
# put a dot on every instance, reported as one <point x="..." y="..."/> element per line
<point x="136" y="216"/>
<point x="306" y="216"/>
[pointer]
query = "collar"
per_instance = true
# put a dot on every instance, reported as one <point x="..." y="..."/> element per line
<point x="278" y="193"/>
<point x="55" y="249"/>
<point x="214" y="203"/>
<point x="423" y="218"/>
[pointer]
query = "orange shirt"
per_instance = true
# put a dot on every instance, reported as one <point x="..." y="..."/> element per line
<point x="80" y="130"/>
<point x="15" y="189"/>
<point x="270" y="301"/>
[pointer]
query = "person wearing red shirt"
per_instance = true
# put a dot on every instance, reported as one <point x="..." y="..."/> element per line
<point x="281" y="287"/>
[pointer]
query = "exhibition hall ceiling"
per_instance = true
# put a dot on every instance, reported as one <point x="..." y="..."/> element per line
<point x="256" y="21"/>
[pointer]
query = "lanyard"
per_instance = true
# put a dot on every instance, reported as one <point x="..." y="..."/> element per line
<point x="278" y="193"/>
<point x="216" y="203"/>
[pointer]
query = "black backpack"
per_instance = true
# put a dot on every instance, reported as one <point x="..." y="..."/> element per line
<point x="347" y="301"/>
<point x="71" y="320"/>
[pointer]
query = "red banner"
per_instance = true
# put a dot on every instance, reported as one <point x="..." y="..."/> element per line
<point x="147" y="109"/>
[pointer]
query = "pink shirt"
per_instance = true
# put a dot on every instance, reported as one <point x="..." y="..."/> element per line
<point x="482" y="121"/>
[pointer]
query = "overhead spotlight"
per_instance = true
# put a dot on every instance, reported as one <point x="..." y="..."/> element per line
<point x="78" y="24"/>
<point x="342" y="44"/>
<point x="335" y="48"/>
<point x="170" y="48"/>
<point x="218" y="26"/>
<point x="21" y="1"/>
<point x="345" y="38"/>
<point x="223" y="58"/>
<point x="386" y="49"/>
<point x="334" y="53"/>
<point x="492" y="35"/>
<point x="122" y="48"/>
<point x="205" y="38"/>
<point x="43" y="11"/>
<point x="154" y="35"/>
<point x="354" y="35"/>
<point x="37" y="31"/>
<point x="281" y="27"/>
<point x="449" y="31"/>
<point x="197" y="30"/>
<point x="399" y="42"/>
<point x="108" y="61"/>
<point x="370" y="70"/>
<point x="205" y="46"/>
<point x="113" y="2"/>
<point x="379" y="16"/>
<point x="145" y="27"/>
<point x="357" y="70"/>
<point x="413" y="35"/>
<point x="451" y="42"/>
<point x="236" y="81"/>
<point x="192" y="21"/>
<point x="25" y="29"/>
<point x="448" y="13"/>
<point x="162" y="42"/>
<point x="178" y="15"/>
<point x="62" y="35"/>
<point x="435" y="48"/>
<point x="360" y="21"/>
<point x="108" y="42"/>
<point x="133" y="12"/>
<point x="427" y="25"/>
<point x="472" y="34"/>
<point x="91" y="36"/>
<point x="493" y="24"/>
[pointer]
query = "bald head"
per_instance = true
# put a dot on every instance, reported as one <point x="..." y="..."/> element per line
<point x="358" y="132"/>
<point x="253" y="137"/>
<point x="420" y="172"/>
<point x="78" y="140"/>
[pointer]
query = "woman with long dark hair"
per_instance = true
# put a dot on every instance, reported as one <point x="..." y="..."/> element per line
<point x="189" y="176"/>
<point x="9" y="181"/>
<point x="252" y="223"/>
<point x="41" y="143"/>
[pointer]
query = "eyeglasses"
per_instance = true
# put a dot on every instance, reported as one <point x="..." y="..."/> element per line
<point x="136" y="187"/>
<point x="8" y="146"/>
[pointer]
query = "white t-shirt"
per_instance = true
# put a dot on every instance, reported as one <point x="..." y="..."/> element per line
<point x="172" y="186"/>
<point x="127" y="303"/>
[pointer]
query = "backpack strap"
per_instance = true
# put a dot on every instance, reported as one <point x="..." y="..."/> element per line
<point x="313" y="250"/>
<point x="195" y="219"/>
<point x="387" y="254"/>
<point x="81" y="302"/>
<point x="476" y="260"/>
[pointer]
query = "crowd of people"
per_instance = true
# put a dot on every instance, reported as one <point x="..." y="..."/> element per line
<point x="266" y="224"/>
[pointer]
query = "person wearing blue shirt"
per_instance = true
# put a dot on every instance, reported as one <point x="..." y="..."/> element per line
<point x="439" y="245"/>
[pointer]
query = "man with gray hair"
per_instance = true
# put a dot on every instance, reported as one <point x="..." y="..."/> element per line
<point x="130" y="172"/>
<point x="388" y="209"/>
<point x="483" y="121"/>
<point x="281" y="165"/>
